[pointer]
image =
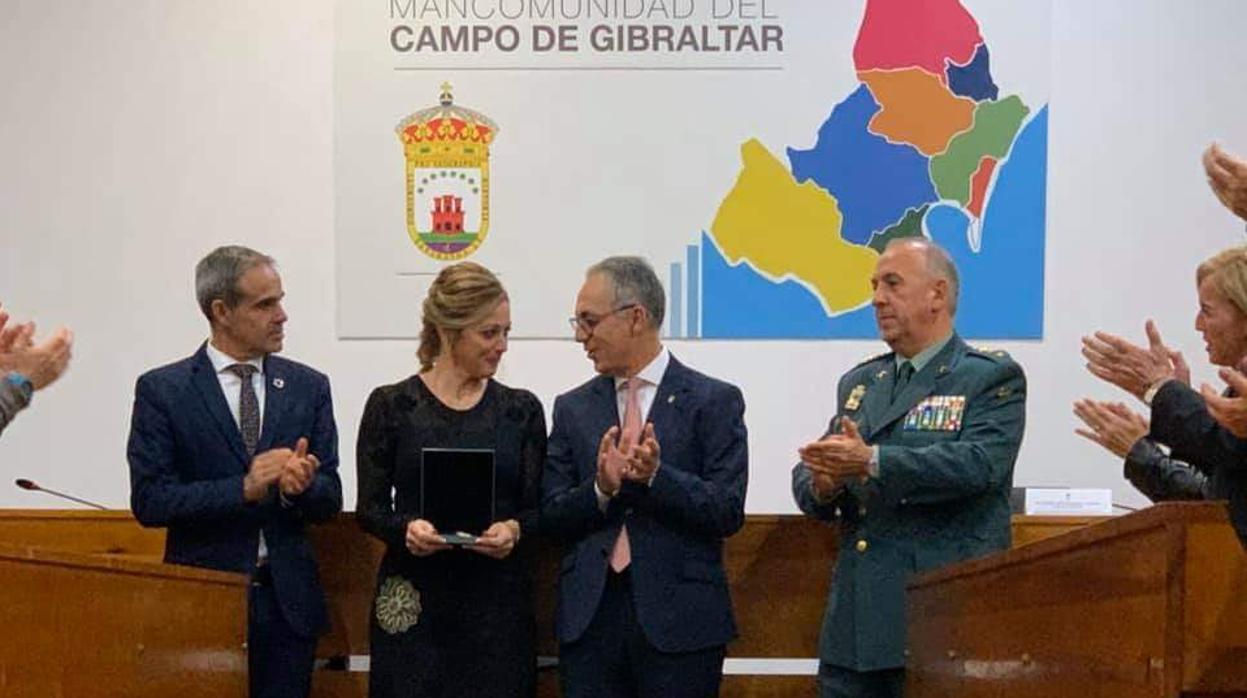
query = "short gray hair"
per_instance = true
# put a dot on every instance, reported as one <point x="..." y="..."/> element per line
<point x="635" y="282"/>
<point x="939" y="264"/>
<point x="217" y="275"/>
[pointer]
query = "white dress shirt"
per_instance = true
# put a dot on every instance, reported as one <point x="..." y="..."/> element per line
<point x="650" y="377"/>
<point x="231" y="384"/>
<point x="231" y="387"/>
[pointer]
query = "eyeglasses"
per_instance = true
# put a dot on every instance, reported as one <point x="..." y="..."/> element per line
<point x="587" y="322"/>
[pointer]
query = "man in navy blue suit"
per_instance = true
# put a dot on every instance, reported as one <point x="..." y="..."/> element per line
<point x="235" y="451"/>
<point x="645" y="477"/>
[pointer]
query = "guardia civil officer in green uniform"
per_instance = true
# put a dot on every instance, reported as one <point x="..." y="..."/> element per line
<point x="915" y="468"/>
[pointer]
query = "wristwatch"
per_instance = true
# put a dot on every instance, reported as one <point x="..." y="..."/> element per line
<point x="23" y="384"/>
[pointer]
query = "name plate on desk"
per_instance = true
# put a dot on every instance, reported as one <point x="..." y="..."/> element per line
<point x="1046" y="501"/>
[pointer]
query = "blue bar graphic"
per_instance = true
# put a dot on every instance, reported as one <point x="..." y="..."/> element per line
<point x="694" y="291"/>
<point x="675" y="301"/>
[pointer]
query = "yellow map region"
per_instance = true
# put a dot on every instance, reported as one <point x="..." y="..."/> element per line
<point x="783" y="228"/>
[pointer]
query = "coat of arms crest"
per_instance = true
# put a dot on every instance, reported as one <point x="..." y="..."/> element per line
<point x="447" y="152"/>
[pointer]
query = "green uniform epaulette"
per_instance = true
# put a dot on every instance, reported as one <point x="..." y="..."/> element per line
<point x="873" y="359"/>
<point x="997" y="355"/>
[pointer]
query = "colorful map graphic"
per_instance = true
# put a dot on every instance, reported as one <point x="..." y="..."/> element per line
<point x="925" y="145"/>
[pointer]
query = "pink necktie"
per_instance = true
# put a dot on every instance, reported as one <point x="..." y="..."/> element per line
<point x="629" y="436"/>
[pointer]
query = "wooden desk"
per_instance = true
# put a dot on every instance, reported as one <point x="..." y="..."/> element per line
<point x="1149" y="604"/>
<point x="778" y="566"/>
<point x="74" y="624"/>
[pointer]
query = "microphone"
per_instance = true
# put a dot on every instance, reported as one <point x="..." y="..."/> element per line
<point x="33" y="486"/>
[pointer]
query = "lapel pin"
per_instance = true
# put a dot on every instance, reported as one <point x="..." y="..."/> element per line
<point x="881" y="374"/>
<point x="943" y="369"/>
<point x="670" y="399"/>
<point x="279" y="383"/>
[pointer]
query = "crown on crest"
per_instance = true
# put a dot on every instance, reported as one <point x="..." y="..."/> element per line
<point x="446" y="130"/>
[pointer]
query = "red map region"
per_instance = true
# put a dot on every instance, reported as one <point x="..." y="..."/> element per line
<point x="915" y="33"/>
<point x="978" y="185"/>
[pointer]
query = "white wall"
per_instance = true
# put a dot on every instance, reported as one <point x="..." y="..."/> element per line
<point x="135" y="136"/>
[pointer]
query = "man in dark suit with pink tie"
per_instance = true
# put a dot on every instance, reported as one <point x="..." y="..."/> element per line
<point x="645" y="477"/>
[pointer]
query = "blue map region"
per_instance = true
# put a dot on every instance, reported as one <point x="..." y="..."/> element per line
<point x="740" y="303"/>
<point x="1001" y="284"/>
<point x="871" y="179"/>
<point x="974" y="79"/>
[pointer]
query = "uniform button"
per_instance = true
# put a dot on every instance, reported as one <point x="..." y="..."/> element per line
<point x="861" y="546"/>
<point x="861" y="511"/>
<point x="904" y="500"/>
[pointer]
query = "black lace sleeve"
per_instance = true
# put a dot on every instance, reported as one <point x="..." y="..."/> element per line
<point x="532" y="461"/>
<point x="375" y="463"/>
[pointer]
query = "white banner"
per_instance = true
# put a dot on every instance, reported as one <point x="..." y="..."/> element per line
<point x="759" y="153"/>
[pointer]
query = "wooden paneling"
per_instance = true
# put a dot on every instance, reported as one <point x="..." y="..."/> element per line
<point x="339" y="684"/>
<point x="779" y="569"/>
<point x="732" y="687"/>
<point x="82" y="625"/>
<point x="1214" y="638"/>
<point x="1029" y="529"/>
<point x="113" y="533"/>
<point x="348" y="560"/>
<point x="1150" y="604"/>
<point x="769" y="687"/>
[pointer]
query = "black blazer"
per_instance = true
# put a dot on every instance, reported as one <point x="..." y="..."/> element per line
<point x="1181" y="421"/>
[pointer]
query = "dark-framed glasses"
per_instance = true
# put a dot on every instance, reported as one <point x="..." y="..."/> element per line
<point x="587" y="322"/>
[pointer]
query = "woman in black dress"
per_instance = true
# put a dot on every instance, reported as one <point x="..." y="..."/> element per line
<point x="450" y="621"/>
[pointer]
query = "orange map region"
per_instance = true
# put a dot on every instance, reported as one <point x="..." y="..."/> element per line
<point x="917" y="108"/>
<point x="978" y="185"/>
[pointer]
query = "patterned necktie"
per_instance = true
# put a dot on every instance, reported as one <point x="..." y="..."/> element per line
<point x="629" y="436"/>
<point x="248" y="406"/>
<point x="903" y="374"/>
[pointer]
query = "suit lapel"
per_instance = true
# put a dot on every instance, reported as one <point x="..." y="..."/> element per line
<point x="276" y="403"/>
<point x="669" y="397"/>
<point x="878" y="395"/>
<point x="602" y="413"/>
<point x="922" y="384"/>
<point x="209" y="387"/>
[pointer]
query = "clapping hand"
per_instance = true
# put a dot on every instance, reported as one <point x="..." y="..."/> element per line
<point x="1230" y="412"/>
<point x="1131" y="367"/>
<point x="298" y="471"/>
<point x="264" y="472"/>
<point x="1110" y="424"/>
<point x="42" y="363"/>
<point x="1227" y="175"/>
<point x="643" y="458"/>
<point x="611" y="463"/>
<point x="838" y="457"/>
